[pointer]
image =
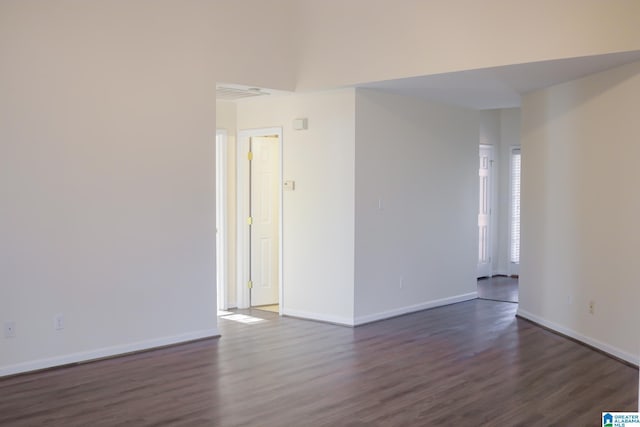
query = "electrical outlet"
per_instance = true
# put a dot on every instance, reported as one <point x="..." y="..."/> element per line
<point x="58" y="322"/>
<point x="592" y="307"/>
<point x="9" y="329"/>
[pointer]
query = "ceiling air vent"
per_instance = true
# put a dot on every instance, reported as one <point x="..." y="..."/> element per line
<point x="230" y="93"/>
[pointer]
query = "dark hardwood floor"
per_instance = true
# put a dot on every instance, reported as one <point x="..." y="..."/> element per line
<point x="468" y="364"/>
<point x="498" y="288"/>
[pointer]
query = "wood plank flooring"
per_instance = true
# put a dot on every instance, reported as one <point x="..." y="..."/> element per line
<point x="498" y="288"/>
<point x="275" y="308"/>
<point x="468" y="364"/>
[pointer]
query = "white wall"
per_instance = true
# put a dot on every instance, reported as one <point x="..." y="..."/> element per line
<point x="107" y="129"/>
<point x="421" y="161"/>
<point x="509" y="138"/>
<point x="226" y="118"/>
<point x="580" y="207"/>
<point x="342" y="43"/>
<point x="318" y="234"/>
<point x="254" y="41"/>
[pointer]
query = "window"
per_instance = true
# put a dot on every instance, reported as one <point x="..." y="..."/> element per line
<point x="515" y="205"/>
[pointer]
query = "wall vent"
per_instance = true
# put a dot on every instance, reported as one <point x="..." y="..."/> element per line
<point x="232" y="93"/>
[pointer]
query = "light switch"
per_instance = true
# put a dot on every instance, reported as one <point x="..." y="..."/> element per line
<point x="289" y="186"/>
<point x="300" y="124"/>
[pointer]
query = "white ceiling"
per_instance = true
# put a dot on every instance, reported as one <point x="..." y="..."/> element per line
<point x="501" y="87"/>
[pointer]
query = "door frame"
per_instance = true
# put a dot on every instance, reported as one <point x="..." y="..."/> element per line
<point x="222" y="241"/>
<point x="243" y="214"/>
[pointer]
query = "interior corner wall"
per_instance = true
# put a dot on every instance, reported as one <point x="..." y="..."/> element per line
<point x="416" y="205"/>
<point x="226" y="118"/>
<point x="318" y="216"/>
<point x="580" y="208"/>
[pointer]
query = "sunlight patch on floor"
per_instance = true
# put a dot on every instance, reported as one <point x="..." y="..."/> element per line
<point x="274" y="308"/>
<point x="242" y="318"/>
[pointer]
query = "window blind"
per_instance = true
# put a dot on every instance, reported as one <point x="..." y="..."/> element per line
<point x="515" y="205"/>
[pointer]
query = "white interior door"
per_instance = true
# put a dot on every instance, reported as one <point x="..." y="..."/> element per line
<point x="484" y="211"/>
<point x="264" y="206"/>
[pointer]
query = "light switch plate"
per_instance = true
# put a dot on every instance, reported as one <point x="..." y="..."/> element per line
<point x="289" y="185"/>
<point x="300" y="124"/>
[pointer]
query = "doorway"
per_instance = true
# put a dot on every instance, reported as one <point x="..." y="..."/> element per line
<point x="260" y="219"/>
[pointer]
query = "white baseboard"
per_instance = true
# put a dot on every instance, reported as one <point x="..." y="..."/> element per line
<point x="614" y="351"/>
<point x="327" y="318"/>
<point x="361" y="320"/>
<point x="85" y="356"/>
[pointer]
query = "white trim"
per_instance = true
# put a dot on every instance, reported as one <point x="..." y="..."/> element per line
<point x="614" y="351"/>
<point x="281" y="229"/>
<point x="327" y="318"/>
<point x="222" y="242"/>
<point x="100" y="353"/>
<point x="242" y="214"/>
<point x="413" y="308"/>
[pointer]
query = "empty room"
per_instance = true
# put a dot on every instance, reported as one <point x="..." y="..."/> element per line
<point x="266" y="212"/>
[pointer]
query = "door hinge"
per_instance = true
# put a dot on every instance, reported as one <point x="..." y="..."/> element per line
<point x="249" y="284"/>
<point x="250" y="220"/>
<point x="250" y="155"/>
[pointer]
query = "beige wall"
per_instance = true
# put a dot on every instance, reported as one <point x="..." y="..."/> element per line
<point x="416" y="205"/>
<point x="356" y="41"/>
<point x="254" y="41"/>
<point x="107" y="124"/>
<point x="580" y="205"/>
<point x="226" y="118"/>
